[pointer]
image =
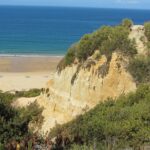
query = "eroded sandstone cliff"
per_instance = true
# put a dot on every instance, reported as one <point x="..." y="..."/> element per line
<point x="78" y="88"/>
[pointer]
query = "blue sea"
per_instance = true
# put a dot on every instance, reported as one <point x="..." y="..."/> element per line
<point x="51" y="30"/>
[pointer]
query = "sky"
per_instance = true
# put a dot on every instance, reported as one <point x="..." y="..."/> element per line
<point x="136" y="4"/>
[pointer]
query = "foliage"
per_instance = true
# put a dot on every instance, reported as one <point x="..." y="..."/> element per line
<point x="94" y="146"/>
<point x="147" y="34"/>
<point x="106" y="39"/>
<point x="30" y="93"/>
<point x="140" y="69"/>
<point x="85" y="48"/>
<point x="115" y="124"/>
<point x="14" y="121"/>
<point x="147" y="30"/>
<point x="68" y="59"/>
<point x="70" y="56"/>
<point x="128" y="23"/>
<point x="118" y="40"/>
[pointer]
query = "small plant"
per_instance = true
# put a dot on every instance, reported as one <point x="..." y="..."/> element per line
<point x="140" y="69"/>
<point x="147" y="30"/>
<point x="128" y="23"/>
<point x="30" y="93"/>
<point x="14" y="122"/>
<point x="70" y="56"/>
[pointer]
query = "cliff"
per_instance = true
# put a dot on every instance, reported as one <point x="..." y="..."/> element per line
<point x="78" y="88"/>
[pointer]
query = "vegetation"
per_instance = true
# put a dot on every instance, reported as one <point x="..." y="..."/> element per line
<point x="106" y="39"/>
<point x="127" y="23"/>
<point x="147" y="30"/>
<point x="14" y="121"/>
<point x="147" y="34"/>
<point x="140" y="69"/>
<point x="113" y="124"/>
<point x="30" y="93"/>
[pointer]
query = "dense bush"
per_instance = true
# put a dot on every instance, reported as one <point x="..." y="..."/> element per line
<point x="147" y="34"/>
<point x="140" y="69"/>
<point x="30" y="93"/>
<point x="14" y="121"/>
<point x="128" y="23"/>
<point x="118" y="40"/>
<point x="106" y="39"/>
<point x="70" y="56"/>
<point x="147" y="30"/>
<point x="113" y="124"/>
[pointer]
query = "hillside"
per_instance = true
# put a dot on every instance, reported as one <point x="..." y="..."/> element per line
<point x="111" y="125"/>
<point x="99" y="97"/>
<point x="98" y="67"/>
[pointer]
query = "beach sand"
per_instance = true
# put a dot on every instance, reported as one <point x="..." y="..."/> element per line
<point x="24" y="73"/>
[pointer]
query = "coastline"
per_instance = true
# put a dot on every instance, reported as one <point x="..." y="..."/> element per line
<point x="28" y="63"/>
<point x="32" y="55"/>
<point x="19" y="73"/>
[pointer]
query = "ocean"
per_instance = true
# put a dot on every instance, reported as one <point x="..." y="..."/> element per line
<point x="27" y="30"/>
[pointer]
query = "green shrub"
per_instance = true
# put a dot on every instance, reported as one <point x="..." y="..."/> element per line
<point x="14" y="122"/>
<point x="148" y="45"/>
<point x="128" y="23"/>
<point x="140" y="69"/>
<point x="121" y="123"/>
<point x="148" y="49"/>
<point x="117" y="40"/>
<point x="87" y="147"/>
<point x="84" y="47"/>
<point x="70" y="56"/>
<point x="68" y="59"/>
<point x="147" y="30"/>
<point x="2" y="147"/>
<point x="106" y="39"/>
<point x="30" y="93"/>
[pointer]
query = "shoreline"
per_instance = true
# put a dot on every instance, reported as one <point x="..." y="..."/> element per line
<point x="32" y="55"/>
<point x="28" y="63"/>
<point x="24" y="73"/>
<point x="23" y="81"/>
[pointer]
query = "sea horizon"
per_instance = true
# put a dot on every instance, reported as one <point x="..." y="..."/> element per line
<point x="70" y="7"/>
<point x="51" y="30"/>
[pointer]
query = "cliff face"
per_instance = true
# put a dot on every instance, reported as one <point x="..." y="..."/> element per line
<point x="64" y="99"/>
<point x="79" y="88"/>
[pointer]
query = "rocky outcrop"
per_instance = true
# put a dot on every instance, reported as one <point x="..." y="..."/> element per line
<point x="80" y="87"/>
<point x="77" y="89"/>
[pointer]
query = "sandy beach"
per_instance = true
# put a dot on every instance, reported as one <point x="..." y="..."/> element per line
<point x="24" y="73"/>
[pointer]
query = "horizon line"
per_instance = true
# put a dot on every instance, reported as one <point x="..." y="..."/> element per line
<point x="74" y="7"/>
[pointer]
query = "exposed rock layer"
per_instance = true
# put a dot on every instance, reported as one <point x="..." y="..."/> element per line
<point x="63" y="100"/>
<point x="77" y="89"/>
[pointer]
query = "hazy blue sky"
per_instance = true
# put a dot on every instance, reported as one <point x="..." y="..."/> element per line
<point x="143" y="4"/>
